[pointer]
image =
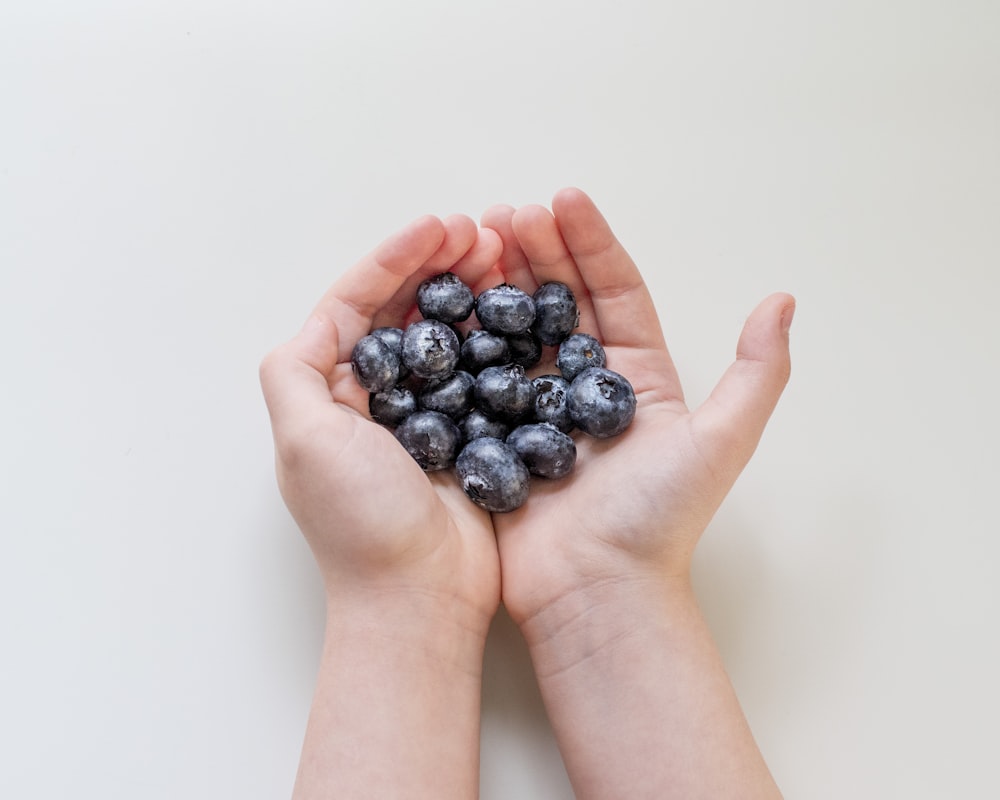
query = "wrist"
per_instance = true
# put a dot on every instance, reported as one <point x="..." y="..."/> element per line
<point x="604" y="616"/>
<point x="638" y="695"/>
<point x="397" y="702"/>
<point x="422" y="627"/>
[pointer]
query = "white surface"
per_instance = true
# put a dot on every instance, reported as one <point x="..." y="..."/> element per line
<point x="178" y="183"/>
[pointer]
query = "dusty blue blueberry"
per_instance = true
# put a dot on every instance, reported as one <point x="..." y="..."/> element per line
<point x="545" y="450"/>
<point x="430" y="348"/>
<point x="556" y="312"/>
<point x="452" y="395"/>
<point x="459" y="335"/>
<point x="445" y="297"/>
<point x="375" y="365"/>
<point x="525" y="349"/>
<point x="577" y="352"/>
<point x="483" y="349"/>
<point x="394" y="338"/>
<point x="432" y="438"/>
<point x="601" y="402"/>
<point x="492" y="475"/>
<point x="476" y="424"/>
<point x="505" y="393"/>
<point x="392" y="406"/>
<point x="505" y="310"/>
<point x="550" y="401"/>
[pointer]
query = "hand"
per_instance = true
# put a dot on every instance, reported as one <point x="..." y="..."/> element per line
<point x="410" y="565"/>
<point x="596" y="567"/>
<point x="373" y="519"/>
<point x="636" y="505"/>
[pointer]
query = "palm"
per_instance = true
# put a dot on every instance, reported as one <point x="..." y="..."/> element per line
<point x="583" y="529"/>
<point x="383" y="488"/>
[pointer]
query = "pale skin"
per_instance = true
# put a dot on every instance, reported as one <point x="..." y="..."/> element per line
<point x="594" y="568"/>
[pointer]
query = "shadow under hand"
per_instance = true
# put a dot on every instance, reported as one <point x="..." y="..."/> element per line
<point x="519" y="755"/>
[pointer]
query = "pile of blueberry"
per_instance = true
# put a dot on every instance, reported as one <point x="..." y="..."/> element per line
<point x="468" y="403"/>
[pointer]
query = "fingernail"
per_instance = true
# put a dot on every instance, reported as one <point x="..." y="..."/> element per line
<point x="786" y="318"/>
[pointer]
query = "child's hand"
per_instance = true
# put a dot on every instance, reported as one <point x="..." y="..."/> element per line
<point x="635" y="505"/>
<point x="596" y="567"/>
<point x="374" y="520"/>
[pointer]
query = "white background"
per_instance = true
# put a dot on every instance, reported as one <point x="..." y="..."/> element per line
<point x="179" y="181"/>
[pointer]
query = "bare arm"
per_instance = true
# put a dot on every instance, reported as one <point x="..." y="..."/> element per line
<point x="410" y="567"/>
<point x="596" y="568"/>
<point x="397" y="701"/>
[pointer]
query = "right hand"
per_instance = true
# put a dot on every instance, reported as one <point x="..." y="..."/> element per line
<point x="635" y="505"/>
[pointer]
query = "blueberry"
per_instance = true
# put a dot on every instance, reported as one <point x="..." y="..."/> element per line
<point x="505" y="309"/>
<point x="413" y="383"/>
<point x="444" y="297"/>
<point x="431" y="438"/>
<point x="467" y="401"/>
<point x="375" y="365"/>
<point x="577" y="352"/>
<point x="483" y="349"/>
<point x="601" y="402"/>
<point x="525" y="349"/>
<point x="392" y="406"/>
<point x="550" y="401"/>
<point x="394" y="338"/>
<point x="459" y="335"/>
<point x="505" y="393"/>
<point x="556" y="312"/>
<point x="492" y="475"/>
<point x="476" y="424"/>
<point x="545" y="450"/>
<point x="452" y="395"/>
<point x="430" y="348"/>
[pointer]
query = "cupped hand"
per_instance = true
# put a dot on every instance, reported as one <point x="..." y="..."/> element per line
<point x="373" y="518"/>
<point x="635" y="505"/>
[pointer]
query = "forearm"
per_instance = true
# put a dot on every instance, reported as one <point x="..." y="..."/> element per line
<point x="396" y="708"/>
<point x="639" y="698"/>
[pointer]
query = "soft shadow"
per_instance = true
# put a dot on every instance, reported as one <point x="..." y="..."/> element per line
<point x="792" y="600"/>
<point x="519" y="757"/>
<point x="288" y="598"/>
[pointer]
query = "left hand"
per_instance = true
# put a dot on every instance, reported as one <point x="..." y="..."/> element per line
<point x="374" y="520"/>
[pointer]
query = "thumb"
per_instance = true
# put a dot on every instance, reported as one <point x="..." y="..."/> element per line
<point x="729" y="424"/>
<point x="295" y="376"/>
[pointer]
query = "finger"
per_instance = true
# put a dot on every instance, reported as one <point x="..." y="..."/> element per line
<point x="492" y="277"/>
<point x="479" y="265"/>
<point x="550" y="260"/>
<point x="481" y="258"/>
<point x="295" y="376"/>
<point x="478" y="262"/>
<point x="460" y="235"/>
<point x="480" y="276"/>
<point x="513" y="264"/>
<point x="295" y="385"/>
<point x="622" y="304"/>
<point x="352" y="302"/>
<point x="729" y="424"/>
